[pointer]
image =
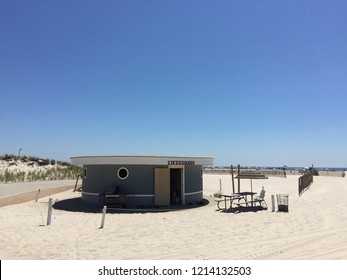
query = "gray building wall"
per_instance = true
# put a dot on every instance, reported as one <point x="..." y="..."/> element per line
<point x="138" y="186"/>
<point x="193" y="183"/>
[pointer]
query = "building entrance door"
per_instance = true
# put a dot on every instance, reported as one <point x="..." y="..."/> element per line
<point x="175" y="185"/>
<point x="162" y="187"/>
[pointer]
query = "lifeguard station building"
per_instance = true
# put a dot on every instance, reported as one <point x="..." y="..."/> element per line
<point x="143" y="181"/>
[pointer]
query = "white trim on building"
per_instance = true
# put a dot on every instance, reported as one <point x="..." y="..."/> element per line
<point x="141" y="160"/>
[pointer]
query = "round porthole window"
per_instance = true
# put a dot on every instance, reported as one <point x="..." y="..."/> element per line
<point x="123" y="173"/>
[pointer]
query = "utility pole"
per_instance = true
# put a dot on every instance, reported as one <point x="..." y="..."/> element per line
<point x="19" y="152"/>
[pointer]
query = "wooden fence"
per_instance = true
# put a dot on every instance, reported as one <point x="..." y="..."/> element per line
<point x="221" y="171"/>
<point x="275" y="173"/>
<point x="305" y="182"/>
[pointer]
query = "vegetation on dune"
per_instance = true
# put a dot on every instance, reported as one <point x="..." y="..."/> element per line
<point x="39" y="161"/>
<point x="47" y="169"/>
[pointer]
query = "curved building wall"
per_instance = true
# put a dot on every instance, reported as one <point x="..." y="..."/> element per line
<point x="139" y="186"/>
<point x="193" y="184"/>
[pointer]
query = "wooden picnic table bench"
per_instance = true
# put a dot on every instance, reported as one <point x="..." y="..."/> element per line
<point x="236" y="198"/>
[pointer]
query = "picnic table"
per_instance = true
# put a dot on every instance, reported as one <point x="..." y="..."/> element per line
<point x="237" y="199"/>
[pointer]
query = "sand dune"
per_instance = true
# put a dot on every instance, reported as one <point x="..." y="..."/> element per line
<point x="314" y="228"/>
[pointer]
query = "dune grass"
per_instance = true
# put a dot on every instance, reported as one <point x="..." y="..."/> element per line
<point x="42" y="169"/>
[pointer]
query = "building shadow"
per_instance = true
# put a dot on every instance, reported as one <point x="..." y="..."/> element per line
<point x="77" y="205"/>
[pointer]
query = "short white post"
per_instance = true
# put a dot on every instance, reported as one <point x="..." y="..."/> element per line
<point x="273" y="202"/>
<point x="37" y="195"/>
<point x="49" y="215"/>
<point x="220" y="185"/>
<point x="103" y="216"/>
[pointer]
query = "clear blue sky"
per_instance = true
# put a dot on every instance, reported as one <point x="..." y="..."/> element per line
<point x="246" y="82"/>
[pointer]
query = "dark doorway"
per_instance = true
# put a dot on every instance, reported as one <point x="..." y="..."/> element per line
<point x="175" y="185"/>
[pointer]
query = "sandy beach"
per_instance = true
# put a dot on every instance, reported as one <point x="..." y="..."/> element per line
<point x="314" y="228"/>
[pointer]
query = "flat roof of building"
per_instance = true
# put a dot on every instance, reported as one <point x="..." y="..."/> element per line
<point x="141" y="160"/>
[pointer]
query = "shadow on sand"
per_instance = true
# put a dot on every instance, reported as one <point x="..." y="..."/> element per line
<point x="76" y="205"/>
<point x="237" y="210"/>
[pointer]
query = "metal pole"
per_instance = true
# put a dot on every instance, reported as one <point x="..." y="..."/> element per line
<point x="232" y="178"/>
<point x="238" y="179"/>
<point x="103" y="216"/>
<point x="37" y="195"/>
<point x="49" y="215"/>
<point x="252" y="193"/>
<point x="273" y="202"/>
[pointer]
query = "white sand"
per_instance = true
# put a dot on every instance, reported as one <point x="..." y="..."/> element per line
<point x="314" y="228"/>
